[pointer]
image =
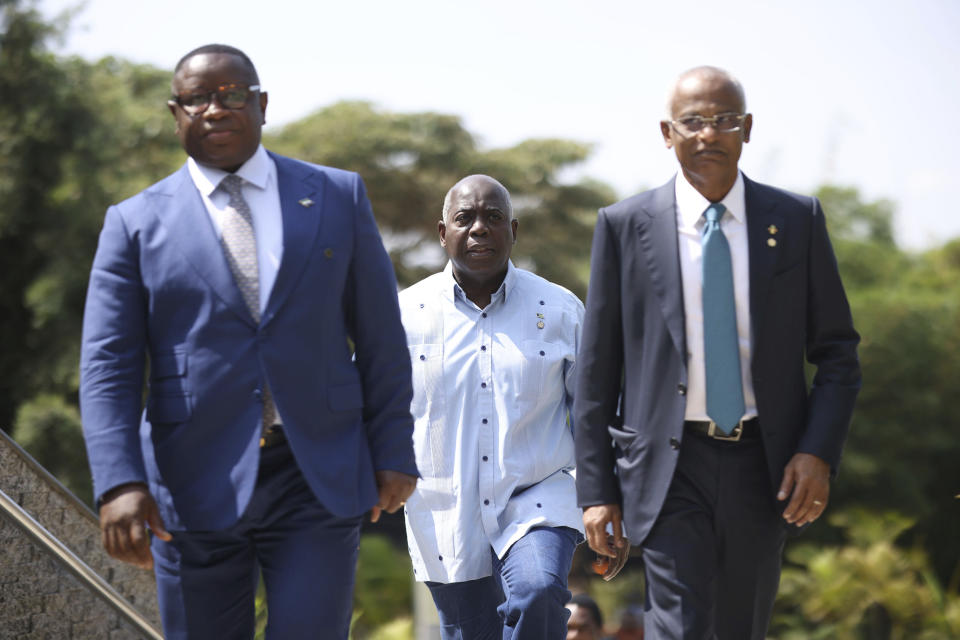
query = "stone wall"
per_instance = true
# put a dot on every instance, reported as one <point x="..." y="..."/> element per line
<point x="39" y="596"/>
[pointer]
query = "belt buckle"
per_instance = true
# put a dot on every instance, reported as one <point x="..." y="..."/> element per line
<point x="734" y="435"/>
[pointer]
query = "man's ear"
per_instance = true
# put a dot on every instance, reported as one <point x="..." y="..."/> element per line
<point x="442" y="230"/>
<point x="173" y="111"/>
<point x="665" y="132"/>
<point x="513" y="227"/>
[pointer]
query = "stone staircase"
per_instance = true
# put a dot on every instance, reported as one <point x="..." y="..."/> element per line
<point x="56" y="581"/>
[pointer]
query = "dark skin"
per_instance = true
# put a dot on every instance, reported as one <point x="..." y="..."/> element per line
<point x="224" y="139"/>
<point x="581" y="624"/>
<point x="478" y="233"/>
<point x="219" y="137"/>
<point x="709" y="161"/>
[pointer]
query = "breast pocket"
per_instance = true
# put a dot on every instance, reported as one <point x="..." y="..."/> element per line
<point x="426" y="360"/>
<point x="541" y="373"/>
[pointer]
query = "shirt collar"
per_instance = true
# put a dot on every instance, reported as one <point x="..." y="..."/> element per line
<point x="691" y="204"/>
<point x="450" y="289"/>
<point x="255" y="171"/>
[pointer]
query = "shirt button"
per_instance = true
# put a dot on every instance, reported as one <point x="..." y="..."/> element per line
<point x="484" y="458"/>
<point x="484" y="314"/>
<point x="483" y="347"/>
<point x="539" y="506"/>
<point x="543" y="353"/>
<point x="484" y="421"/>
<point x="486" y="502"/>
<point x="682" y="389"/>
<point x="541" y="303"/>
<point x="483" y="385"/>
<point x="423" y="357"/>
<point x="441" y="558"/>
<point x="674" y="443"/>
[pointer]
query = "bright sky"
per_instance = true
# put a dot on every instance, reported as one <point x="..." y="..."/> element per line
<point x="855" y="93"/>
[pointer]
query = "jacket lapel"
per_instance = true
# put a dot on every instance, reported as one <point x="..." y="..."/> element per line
<point x="182" y="212"/>
<point x="764" y="225"/>
<point x="657" y="228"/>
<point x="301" y="205"/>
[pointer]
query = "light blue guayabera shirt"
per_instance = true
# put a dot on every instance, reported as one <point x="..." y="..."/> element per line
<point x="492" y="398"/>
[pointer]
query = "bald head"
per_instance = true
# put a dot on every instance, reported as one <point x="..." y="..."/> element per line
<point x="701" y="79"/>
<point x="474" y="183"/>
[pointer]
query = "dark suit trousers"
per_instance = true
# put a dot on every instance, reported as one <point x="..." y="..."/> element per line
<point x="712" y="559"/>
<point x="207" y="580"/>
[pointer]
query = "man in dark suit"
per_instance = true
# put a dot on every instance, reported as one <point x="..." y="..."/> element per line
<point x="242" y="277"/>
<point x="694" y="423"/>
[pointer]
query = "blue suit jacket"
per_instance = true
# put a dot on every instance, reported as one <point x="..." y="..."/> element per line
<point x="634" y="343"/>
<point x="161" y="293"/>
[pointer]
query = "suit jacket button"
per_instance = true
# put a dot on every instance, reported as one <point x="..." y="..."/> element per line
<point x="682" y="389"/>
<point x="674" y="443"/>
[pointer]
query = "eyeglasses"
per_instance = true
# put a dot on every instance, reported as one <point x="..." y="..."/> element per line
<point x="723" y="123"/>
<point x="230" y="96"/>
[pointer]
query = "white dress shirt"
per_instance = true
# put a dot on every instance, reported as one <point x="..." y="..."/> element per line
<point x="260" y="190"/>
<point x="690" y="207"/>
<point x="493" y="389"/>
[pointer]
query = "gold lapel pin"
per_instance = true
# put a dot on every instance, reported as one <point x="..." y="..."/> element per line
<point x="540" y="325"/>
<point x="772" y="229"/>
<point x="328" y="252"/>
<point x="771" y="242"/>
<point x="306" y="202"/>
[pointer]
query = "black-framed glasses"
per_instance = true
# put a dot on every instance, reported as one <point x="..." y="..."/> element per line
<point x="723" y="123"/>
<point x="230" y="96"/>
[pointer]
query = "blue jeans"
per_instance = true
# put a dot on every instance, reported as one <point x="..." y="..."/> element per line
<point x="524" y="598"/>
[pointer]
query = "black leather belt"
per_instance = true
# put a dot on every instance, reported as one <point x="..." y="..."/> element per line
<point x="272" y="436"/>
<point x="745" y="429"/>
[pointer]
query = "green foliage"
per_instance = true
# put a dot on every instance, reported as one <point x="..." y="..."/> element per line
<point x="902" y="450"/>
<point x="74" y="137"/>
<point x="399" y="629"/>
<point x="49" y="429"/>
<point x="868" y="589"/>
<point x="384" y="586"/>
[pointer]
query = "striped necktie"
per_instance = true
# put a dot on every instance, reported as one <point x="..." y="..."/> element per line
<point x="240" y="248"/>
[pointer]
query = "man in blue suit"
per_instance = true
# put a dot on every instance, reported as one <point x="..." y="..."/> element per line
<point x="243" y="279"/>
<point x="695" y="426"/>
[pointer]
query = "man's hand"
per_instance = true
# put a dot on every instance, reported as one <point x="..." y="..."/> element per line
<point x="124" y="512"/>
<point x="616" y="547"/>
<point x="394" y="488"/>
<point x="807" y="478"/>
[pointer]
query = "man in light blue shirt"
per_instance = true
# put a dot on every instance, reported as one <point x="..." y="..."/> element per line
<point x="494" y="521"/>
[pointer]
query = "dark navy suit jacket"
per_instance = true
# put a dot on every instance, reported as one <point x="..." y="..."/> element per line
<point x="633" y="347"/>
<point x="161" y="293"/>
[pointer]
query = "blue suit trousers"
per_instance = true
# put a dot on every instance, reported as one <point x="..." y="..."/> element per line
<point x="207" y="580"/>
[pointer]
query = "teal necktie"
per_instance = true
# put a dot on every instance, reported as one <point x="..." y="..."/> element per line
<point x="725" y="404"/>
